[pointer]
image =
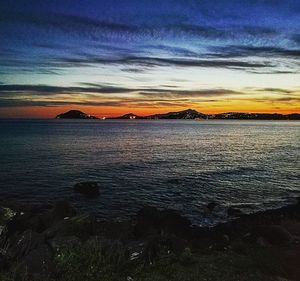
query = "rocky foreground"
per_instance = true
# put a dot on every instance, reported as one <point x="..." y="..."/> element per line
<point x="58" y="243"/>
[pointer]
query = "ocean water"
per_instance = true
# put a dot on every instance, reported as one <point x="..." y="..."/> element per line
<point x="184" y="165"/>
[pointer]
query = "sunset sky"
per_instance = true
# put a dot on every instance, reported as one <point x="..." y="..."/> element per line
<point x="113" y="57"/>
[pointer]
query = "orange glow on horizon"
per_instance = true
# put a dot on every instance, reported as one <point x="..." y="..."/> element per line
<point x="51" y="112"/>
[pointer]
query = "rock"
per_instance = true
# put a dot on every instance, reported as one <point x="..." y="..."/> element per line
<point x="28" y="220"/>
<point x="3" y="237"/>
<point x="221" y="242"/>
<point x="174" y="223"/>
<point x="6" y="214"/>
<point x="147" y="222"/>
<point x="234" y="212"/>
<point x="18" y="224"/>
<point x="37" y="265"/>
<point x="3" y="263"/>
<point x="135" y="249"/>
<point x="274" y="234"/>
<point x="24" y="244"/>
<point x="239" y="247"/>
<point x="82" y="226"/>
<point x="211" y="206"/>
<point x="262" y="242"/>
<point x="61" y="210"/>
<point x="151" y="221"/>
<point x="89" y="189"/>
<point x="186" y="257"/>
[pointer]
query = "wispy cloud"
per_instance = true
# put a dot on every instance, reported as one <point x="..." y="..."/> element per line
<point x="98" y="95"/>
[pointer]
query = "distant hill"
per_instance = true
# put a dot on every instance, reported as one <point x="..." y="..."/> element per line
<point x="255" y="116"/>
<point x="188" y="114"/>
<point x="75" y="114"/>
<point x="185" y="114"/>
<point x="129" y="116"/>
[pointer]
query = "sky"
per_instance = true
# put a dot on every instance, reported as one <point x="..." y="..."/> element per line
<point x="109" y="58"/>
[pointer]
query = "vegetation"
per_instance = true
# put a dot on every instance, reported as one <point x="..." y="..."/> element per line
<point x="93" y="262"/>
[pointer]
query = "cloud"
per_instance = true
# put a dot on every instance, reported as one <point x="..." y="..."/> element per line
<point x="100" y="95"/>
<point x="161" y="61"/>
<point x="232" y="51"/>
<point x="45" y="89"/>
<point x="190" y="94"/>
<point x="110" y="96"/>
<point x="277" y="90"/>
<point x="65" y="23"/>
<point x="296" y="38"/>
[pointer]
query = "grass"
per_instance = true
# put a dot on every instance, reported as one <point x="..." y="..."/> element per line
<point x="93" y="262"/>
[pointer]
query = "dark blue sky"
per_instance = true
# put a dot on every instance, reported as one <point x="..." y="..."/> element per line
<point x="136" y="53"/>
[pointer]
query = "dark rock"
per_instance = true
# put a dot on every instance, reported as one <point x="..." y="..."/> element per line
<point x="211" y="206"/>
<point x="147" y="222"/>
<point x="172" y="222"/>
<point x="135" y="249"/>
<point x="18" y="224"/>
<point x="221" y="242"/>
<point x="151" y="221"/>
<point x="186" y="258"/>
<point x="3" y="263"/>
<point x="3" y="237"/>
<point x="89" y="189"/>
<point x="239" y="247"/>
<point x="262" y="242"/>
<point x="234" y="212"/>
<point x="61" y="210"/>
<point x="82" y="226"/>
<point x="36" y="266"/>
<point x="273" y="234"/>
<point x="24" y="244"/>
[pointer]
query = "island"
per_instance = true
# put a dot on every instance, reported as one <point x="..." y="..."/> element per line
<point x="75" y="114"/>
<point x="188" y="114"/>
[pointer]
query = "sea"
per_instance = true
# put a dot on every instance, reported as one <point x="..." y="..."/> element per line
<point x="177" y="164"/>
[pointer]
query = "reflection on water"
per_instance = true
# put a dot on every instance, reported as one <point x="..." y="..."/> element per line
<point x="177" y="164"/>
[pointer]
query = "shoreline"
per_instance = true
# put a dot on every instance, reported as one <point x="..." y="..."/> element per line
<point x="148" y="233"/>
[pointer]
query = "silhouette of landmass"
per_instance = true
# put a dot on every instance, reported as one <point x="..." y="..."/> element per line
<point x="188" y="114"/>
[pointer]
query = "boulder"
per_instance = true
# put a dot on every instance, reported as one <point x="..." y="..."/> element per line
<point x="135" y="249"/>
<point x="221" y="242"/>
<point x="24" y="244"/>
<point x="173" y="223"/>
<point x="62" y="209"/>
<point x="151" y="221"/>
<point x="81" y="226"/>
<point x="234" y="212"/>
<point x="273" y="234"/>
<point x="89" y="189"/>
<point x="211" y="206"/>
<point x="3" y="263"/>
<point x="147" y="222"/>
<point x="18" y="224"/>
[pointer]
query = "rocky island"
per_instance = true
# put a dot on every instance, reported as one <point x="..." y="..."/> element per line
<point x="75" y="114"/>
<point x="188" y="114"/>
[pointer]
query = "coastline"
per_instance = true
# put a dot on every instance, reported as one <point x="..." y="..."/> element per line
<point x="149" y="236"/>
